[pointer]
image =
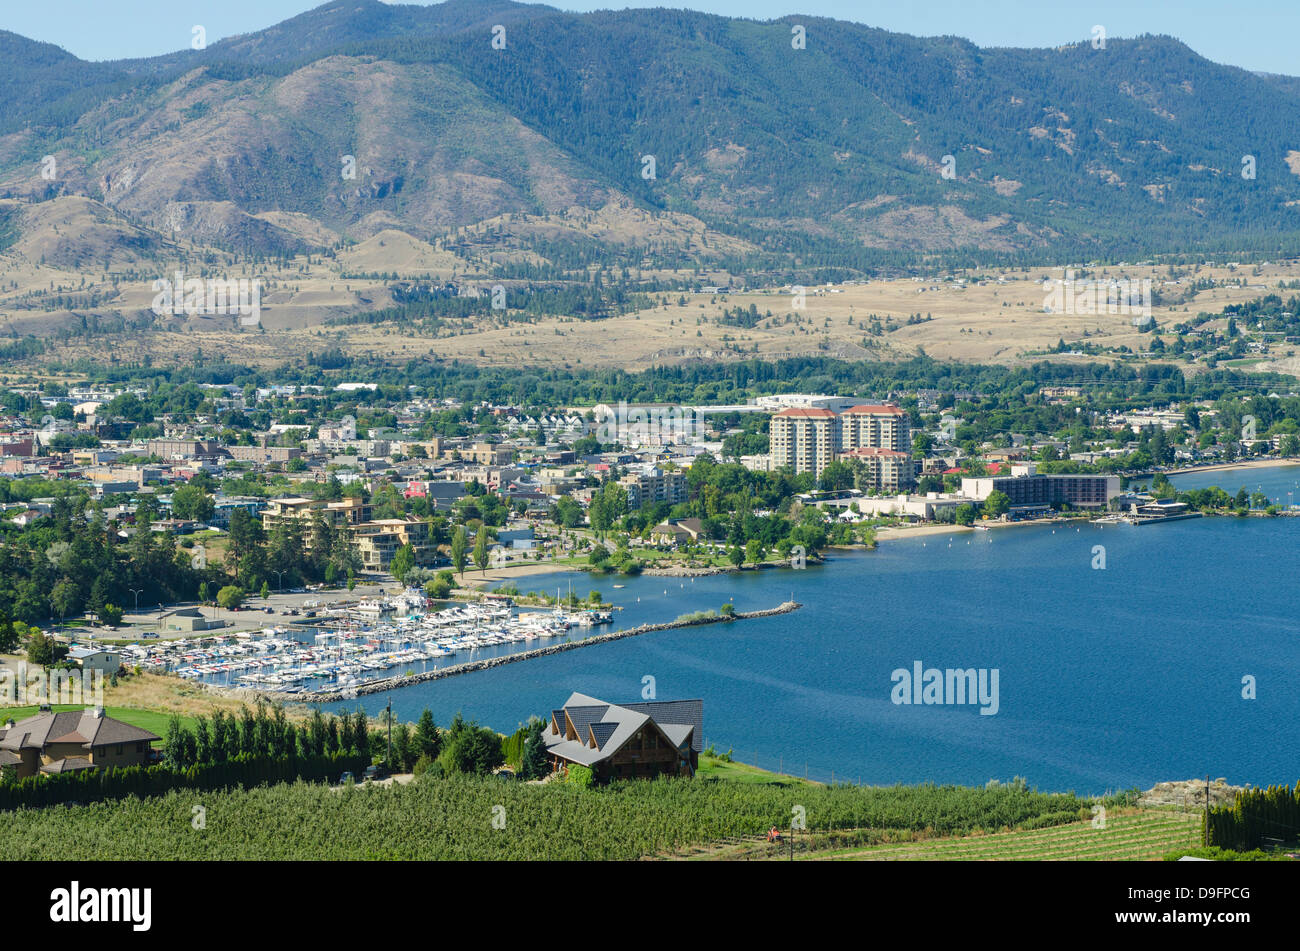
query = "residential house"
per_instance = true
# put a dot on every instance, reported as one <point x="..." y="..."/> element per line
<point x="78" y="739"/>
<point x="633" y="740"/>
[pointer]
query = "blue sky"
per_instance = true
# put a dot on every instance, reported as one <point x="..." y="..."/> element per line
<point x="1259" y="35"/>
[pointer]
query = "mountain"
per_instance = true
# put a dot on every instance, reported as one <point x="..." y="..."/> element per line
<point x="865" y="147"/>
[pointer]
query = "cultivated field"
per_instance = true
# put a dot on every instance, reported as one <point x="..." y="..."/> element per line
<point x="1135" y="835"/>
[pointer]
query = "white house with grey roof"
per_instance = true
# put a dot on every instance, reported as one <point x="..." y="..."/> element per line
<point x="625" y="741"/>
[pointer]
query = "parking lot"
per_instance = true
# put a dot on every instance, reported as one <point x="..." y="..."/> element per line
<point x="146" y="624"/>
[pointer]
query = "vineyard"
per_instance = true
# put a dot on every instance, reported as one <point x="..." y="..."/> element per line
<point x="472" y="817"/>
<point x="1144" y="835"/>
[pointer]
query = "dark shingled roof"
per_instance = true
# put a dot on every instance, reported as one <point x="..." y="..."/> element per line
<point x="557" y="720"/>
<point x="610" y="726"/>
<point x="584" y="717"/>
<point x="676" y="711"/>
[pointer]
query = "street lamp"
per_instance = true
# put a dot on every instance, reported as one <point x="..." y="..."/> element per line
<point x="279" y="575"/>
<point x="136" y="592"/>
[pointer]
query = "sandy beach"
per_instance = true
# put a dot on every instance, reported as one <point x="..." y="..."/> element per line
<point x="918" y="531"/>
<point x="1230" y="466"/>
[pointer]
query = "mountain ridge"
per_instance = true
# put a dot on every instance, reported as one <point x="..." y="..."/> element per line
<point x="863" y="140"/>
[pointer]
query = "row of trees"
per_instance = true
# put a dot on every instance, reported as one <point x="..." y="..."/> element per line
<point x="266" y="733"/>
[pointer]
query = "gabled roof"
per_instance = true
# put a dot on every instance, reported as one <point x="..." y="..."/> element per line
<point x="671" y="712"/>
<point x="602" y="729"/>
<point x="601" y="732"/>
<point x="72" y="726"/>
<point x="583" y="716"/>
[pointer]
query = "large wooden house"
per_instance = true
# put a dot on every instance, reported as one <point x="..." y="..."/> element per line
<point x="631" y="740"/>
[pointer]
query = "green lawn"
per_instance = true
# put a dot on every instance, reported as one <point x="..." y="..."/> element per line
<point x="149" y="720"/>
<point x="712" y="767"/>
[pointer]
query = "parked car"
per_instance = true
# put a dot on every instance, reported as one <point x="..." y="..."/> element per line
<point x="376" y="772"/>
<point x="346" y="778"/>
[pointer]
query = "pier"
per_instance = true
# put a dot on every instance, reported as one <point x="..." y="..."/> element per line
<point x="335" y="693"/>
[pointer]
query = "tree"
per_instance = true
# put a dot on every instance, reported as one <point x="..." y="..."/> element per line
<point x="470" y="748"/>
<point x="607" y="506"/>
<point x="65" y="598"/>
<point x="190" y="501"/>
<point x="458" y="545"/>
<point x="403" y="561"/>
<point x="230" y="597"/>
<point x="111" y="615"/>
<point x="535" y="764"/>
<point x="837" y="475"/>
<point x="440" y="587"/>
<point x="735" y="556"/>
<point x="266" y="590"/>
<point x="568" y="513"/>
<point x="8" y="635"/>
<point x="427" y="741"/>
<point x="998" y="503"/>
<point x="480" y="548"/>
<point x="42" y="650"/>
<point x="753" y="551"/>
<point x="965" y="515"/>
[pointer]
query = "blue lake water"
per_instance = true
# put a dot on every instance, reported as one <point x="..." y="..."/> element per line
<point x="1107" y="678"/>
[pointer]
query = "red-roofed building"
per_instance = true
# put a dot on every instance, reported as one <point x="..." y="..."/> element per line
<point x="889" y="468"/>
<point x="808" y="440"/>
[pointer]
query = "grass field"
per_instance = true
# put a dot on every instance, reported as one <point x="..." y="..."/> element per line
<point x="742" y="773"/>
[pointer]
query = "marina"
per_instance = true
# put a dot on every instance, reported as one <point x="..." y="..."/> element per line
<point x="368" y="642"/>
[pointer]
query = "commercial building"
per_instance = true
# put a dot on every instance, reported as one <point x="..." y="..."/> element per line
<point x="810" y="439"/>
<point x="264" y="455"/>
<point x="182" y="448"/>
<point x="378" y="541"/>
<point x="654" y="486"/>
<point x="804" y="440"/>
<point x="874" y="427"/>
<point x="888" y="468"/>
<point x="1031" y="492"/>
<point x="224" y="506"/>
<point x="349" y="511"/>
